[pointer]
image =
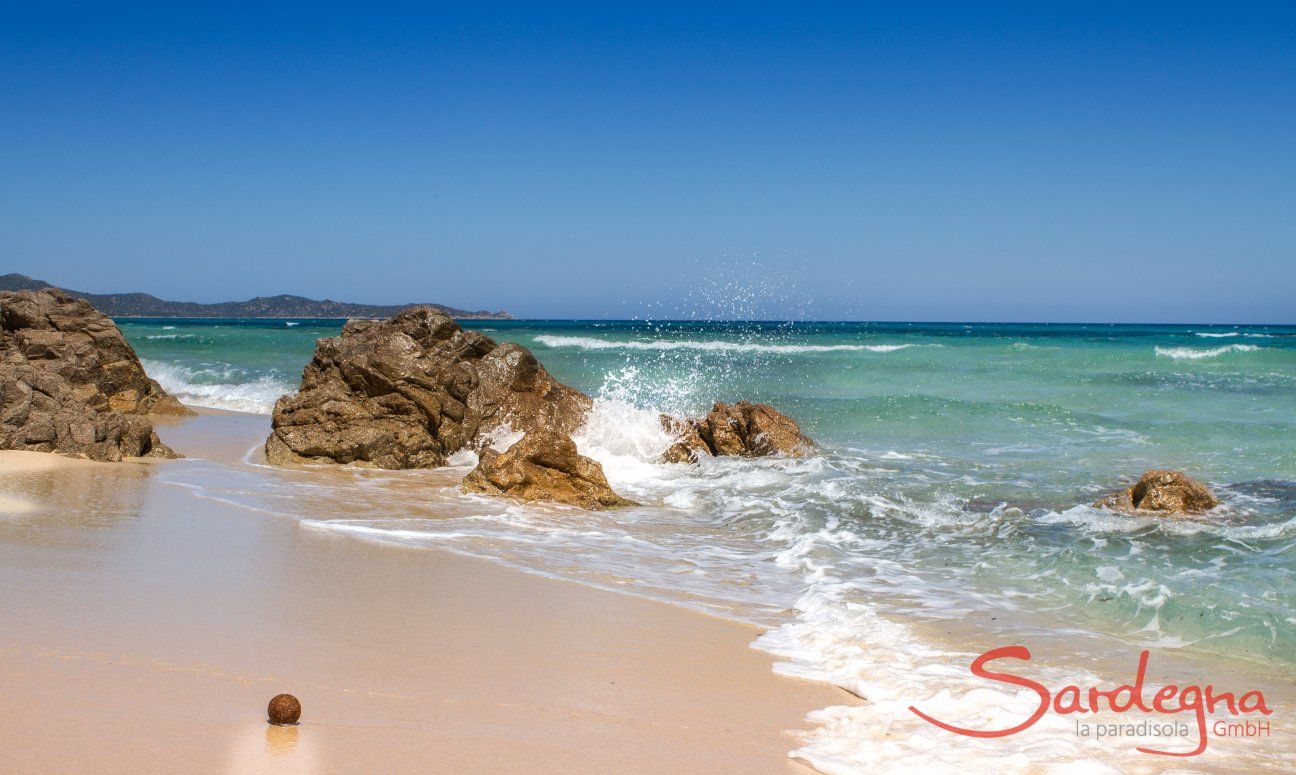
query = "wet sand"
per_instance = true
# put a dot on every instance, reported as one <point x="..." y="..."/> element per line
<point x="145" y="629"/>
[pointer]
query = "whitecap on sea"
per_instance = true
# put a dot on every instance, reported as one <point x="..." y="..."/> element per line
<point x="1189" y="353"/>
<point x="590" y="343"/>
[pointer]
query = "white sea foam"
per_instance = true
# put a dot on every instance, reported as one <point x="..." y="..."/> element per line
<point x="623" y="430"/>
<point x="1189" y="353"/>
<point x="883" y="662"/>
<point x="625" y="439"/>
<point x="1229" y="334"/>
<point x="464" y="458"/>
<point x="291" y="323"/>
<point x="590" y="343"/>
<point x="219" y="387"/>
<point x="501" y="437"/>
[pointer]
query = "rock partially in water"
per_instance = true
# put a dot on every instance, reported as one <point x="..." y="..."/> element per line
<point x="744" y="429"/>
<point x="1166" y="493"/>
<point x="70" y="383"/>
<point x="410" y="391"/>
<point x="690" y="445"/>
<point x="543" y="466"/>
<point x="752" y="430"/>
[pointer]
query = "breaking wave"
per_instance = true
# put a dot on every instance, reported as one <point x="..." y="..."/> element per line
<point x="173" y="336"/>
<point x="1189" y="353"/>
<point x="220" y="386"/>
<point x="1229" y="334"/>
<point x="590" y="343"/>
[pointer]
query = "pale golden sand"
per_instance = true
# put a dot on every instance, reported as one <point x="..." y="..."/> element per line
<point x="14" y="461"/>
<point x="13" y="465"/>
<point x="145" y="629"/>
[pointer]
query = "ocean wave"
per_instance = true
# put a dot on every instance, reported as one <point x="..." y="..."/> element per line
<point x="1229" y="334"/>
<point x="220" y="387"/>
<point x="172" y="336"/>
<point x="1235" y="523"/>
<point x="626" y="439"/>
<point x="1189" y="353"/>
<point x="590" y="343"/>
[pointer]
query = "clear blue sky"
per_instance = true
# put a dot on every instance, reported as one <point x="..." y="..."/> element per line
<point x="923" y="161"/>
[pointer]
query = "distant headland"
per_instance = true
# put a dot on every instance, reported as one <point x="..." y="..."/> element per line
<point x="143" y="305"/>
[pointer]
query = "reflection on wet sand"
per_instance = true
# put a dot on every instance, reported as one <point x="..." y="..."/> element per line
<point x="278" y="750"/>
<point x="64" y="492"/>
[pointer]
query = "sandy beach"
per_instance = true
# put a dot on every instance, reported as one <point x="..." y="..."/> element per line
<point x="146" y="628"/>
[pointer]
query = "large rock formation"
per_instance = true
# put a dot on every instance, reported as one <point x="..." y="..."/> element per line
<point x="412" y="390"/>
<point x="543" y="466"/>
<point x="70" y="382"/>
<point x="744" y="429"/>
<point x="1163" y="493"/>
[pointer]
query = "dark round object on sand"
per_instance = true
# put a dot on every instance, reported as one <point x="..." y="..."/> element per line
<point x="284" y="710"/>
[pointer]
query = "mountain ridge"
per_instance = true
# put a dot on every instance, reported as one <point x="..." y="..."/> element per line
<point x="284" y="305"/>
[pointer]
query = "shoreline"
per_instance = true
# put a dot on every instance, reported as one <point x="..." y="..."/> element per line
<point x="223" y="442"/>
<point x="149" y="627"/>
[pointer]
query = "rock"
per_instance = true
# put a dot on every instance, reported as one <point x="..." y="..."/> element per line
<point x="284" y="710"/>
<point x="410" y="391"/>
<point x="680" y="452"/>
<point x="690" y="445"/>
<point x="70" y="382"/>
<point x="543" y="466"/>
<point x="744" y="428"/>
<point x="1162" y="492"/>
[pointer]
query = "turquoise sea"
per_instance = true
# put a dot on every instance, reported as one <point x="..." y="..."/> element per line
<point x="951" y="494"/>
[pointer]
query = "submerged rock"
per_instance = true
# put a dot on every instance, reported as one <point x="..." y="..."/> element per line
<point x="283" y="710"/>
<point x="410" y="391"/>
<point x="1162" y="492"/>
<point x="744" y="429"/>
<point x="543" y="466"/>
<point x="70" y="383"/>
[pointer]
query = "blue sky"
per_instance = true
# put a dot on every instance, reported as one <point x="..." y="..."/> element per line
<point x="919" y="161"/>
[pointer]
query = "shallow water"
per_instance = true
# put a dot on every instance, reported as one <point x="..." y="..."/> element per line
<point x="950" y="495"/>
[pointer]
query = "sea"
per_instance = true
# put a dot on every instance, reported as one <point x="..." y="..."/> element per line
<point x="946" y="513"/>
